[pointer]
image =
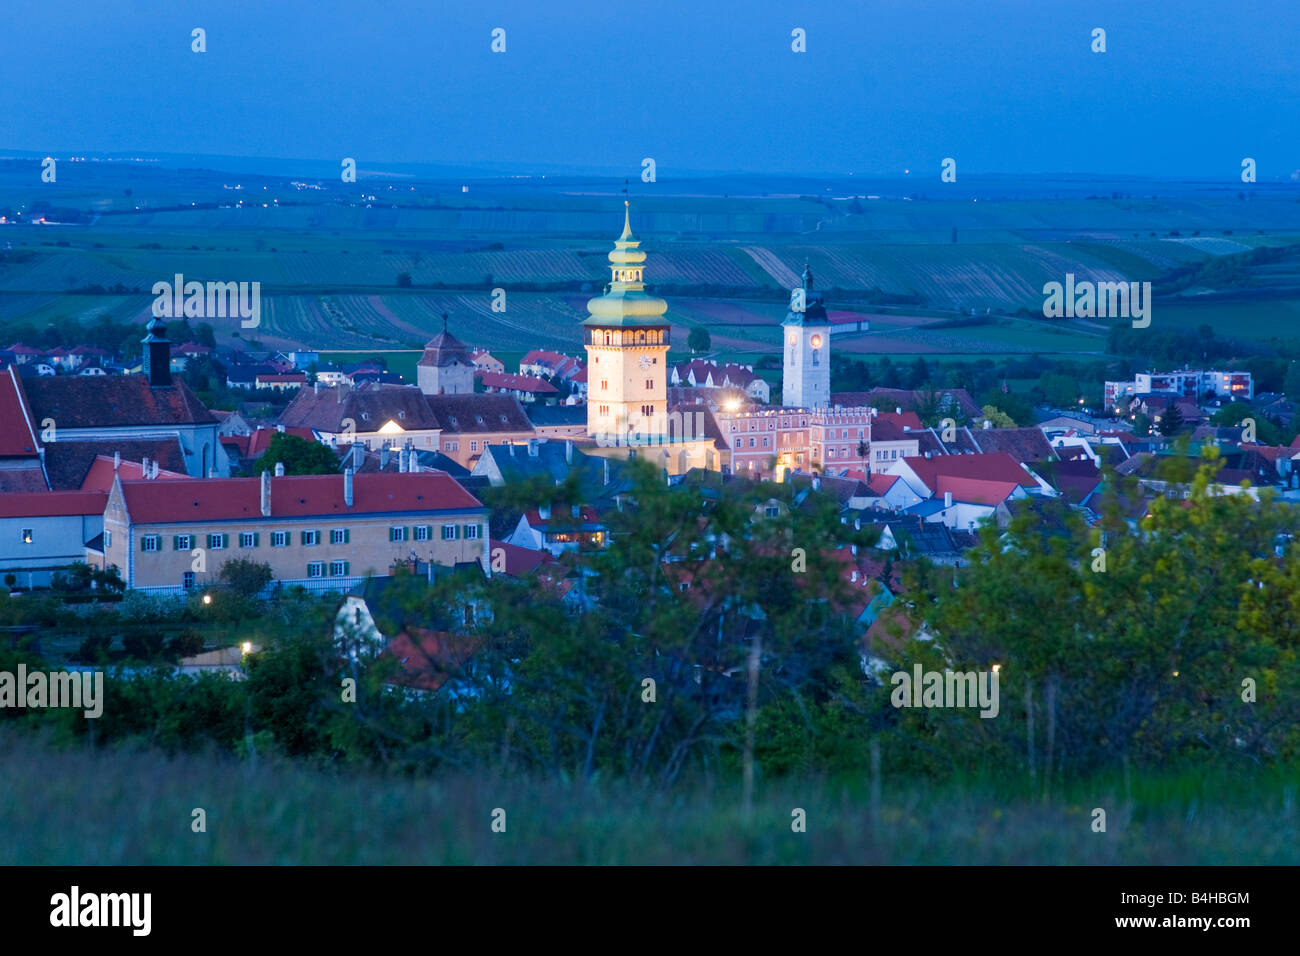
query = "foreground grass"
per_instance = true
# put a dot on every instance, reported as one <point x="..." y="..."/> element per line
<point x="129" y="807"/>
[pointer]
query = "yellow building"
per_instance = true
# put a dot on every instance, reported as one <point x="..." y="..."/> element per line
<point x="320" y="531"/>
<point x="627" y="341"/>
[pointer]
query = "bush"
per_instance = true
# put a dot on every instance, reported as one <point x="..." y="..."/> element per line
<point x="93" y="650"/>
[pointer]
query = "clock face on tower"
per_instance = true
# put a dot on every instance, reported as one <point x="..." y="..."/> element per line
<point x="644" y="362"/>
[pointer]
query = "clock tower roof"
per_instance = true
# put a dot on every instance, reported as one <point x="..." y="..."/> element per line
<point x="625" y="302"/>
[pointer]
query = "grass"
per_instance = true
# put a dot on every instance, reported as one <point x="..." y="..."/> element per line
<point x="82" y="807"/>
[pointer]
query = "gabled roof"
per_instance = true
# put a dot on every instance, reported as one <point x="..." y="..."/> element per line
<point x="101" y="474"/>
<point x="975" y="490"/>
<point x="325" y="409"/>
<point x="49" y="504"/>
<point x="520" y="383"/>
<point x="69" y="462"/>
<point x="478" y="413"/>
<point x="111" y="401"/>
<point x="880" y="484"/>
<point x="293" y="496"/>
<point x="18" y="437"/>
<point x="998" y="466"/>
<point x="519" y="561"/>
<point x="1022" y="444"/>
<point x="553" y="415"/>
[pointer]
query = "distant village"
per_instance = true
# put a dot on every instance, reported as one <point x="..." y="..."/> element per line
<point x="125" y="469"/>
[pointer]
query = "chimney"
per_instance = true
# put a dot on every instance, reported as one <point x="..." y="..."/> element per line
<point x="544" y="512"/>
<point x="358" y="455"/>
<point x="347" y="487"/>
<point x="606" y="471"/>
<point x="927" y="454"/>
<point x="383" y="458"/>
<point x="898" y="409"/>
<point x="401" y="461"/>
<point x="816" y="482"/>
<point x="947" y="499"/>
<point x="532" y="448"/>
<point x="266" y="494"/>
<point x="157" y="354"/>
<point x="280" y="429"/>
<point x="279" y="469"/>
<point x="144" y="467"/>
<point x="315" y="388"/>
<point x="153" y="466"/>
<point x="568" y="451"/>
<point x="117" y="461"/>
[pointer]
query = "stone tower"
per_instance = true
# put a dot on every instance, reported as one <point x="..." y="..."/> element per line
<point x="445" y="368"/>
<point x="806" y="381"/>
<point x="626" y="337"/>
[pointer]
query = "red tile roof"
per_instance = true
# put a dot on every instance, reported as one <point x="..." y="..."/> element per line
<point x="294" y="496"/>
<point x="881" y="483"/>
<point x="18" y="433"/>
<point x="905" y="420"/>
<point x="522" y="383"/>
<point x="975" y="490"/>
<point x="44" y="504"/>
<point x="100" y="476"/>
<point x="69" y="462"/>
<point x="996" y="466"/>
<point x="519" y="561"/>
<point x="105" y="401"/>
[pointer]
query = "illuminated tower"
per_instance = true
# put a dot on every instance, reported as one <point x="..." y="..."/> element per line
<point x="806" y="381"/>
<point x="626" y="338"/>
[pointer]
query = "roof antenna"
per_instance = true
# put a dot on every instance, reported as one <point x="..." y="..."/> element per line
<point x="444" y="322"/>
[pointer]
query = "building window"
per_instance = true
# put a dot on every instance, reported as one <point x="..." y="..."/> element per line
<point x="473" y="446"/>
<point x="108" y="538"/>
<point x="471" y="531"/>
<point x="773" y="511"/>
<point x="453" y="446"/>
<point x="449" y="532"/>
<point x="248" y="540"/>
<point x="310" y="538"/>
<point x="183" y="542"/>
<point x="422" y="532"/>
<point x="830" y="452"/>
<point x="649" y="384"/>
<point x="397" y="534"/>
<point x="217" y="542"/>
<point x="338" y="569"/>
<point x="316" y="569"/>
<point x="339" y="536"/>
<point x="279" y="539"/>
<point x="752" y="442"/>
<point x="187" y="580"/>
<point x="764" y="441"/>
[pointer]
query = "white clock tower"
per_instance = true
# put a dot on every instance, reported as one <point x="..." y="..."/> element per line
<point x="806" y="380"/>
<point x="626" y="338"/>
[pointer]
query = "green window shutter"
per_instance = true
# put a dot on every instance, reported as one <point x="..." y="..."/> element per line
<point x="304" y="537"/>
<point x="428" y="531"/>
<point x="347" y="535"/>
<point x="225" y="540"/>
<point x="176" y="542"/>
<point x="256" y="538"/>
<point x="457" y="527"/>
<point x="143" y="539"/>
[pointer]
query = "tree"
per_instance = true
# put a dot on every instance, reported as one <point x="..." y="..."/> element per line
<point x="1291" y="383"/>
<point x="920" y="373"/>
<point x="999" y="418"/>
<point x="698" y="340"/>
<point x="245" y="577"/>
<point x="1171" y="419"/>
<point x="299" y="456"/>
<point x="1141" y="425"/>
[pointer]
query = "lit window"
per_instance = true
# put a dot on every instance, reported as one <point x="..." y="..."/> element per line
<point x="27" y="536"/>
